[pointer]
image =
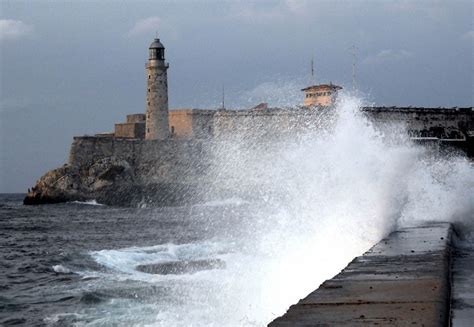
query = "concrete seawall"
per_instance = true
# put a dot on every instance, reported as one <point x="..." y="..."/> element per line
<point x="403" y="280"/>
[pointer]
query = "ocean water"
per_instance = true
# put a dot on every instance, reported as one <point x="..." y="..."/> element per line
<point x="75" y="263"/>
<point x="313" y="203"/>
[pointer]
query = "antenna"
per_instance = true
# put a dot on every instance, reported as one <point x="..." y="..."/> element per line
<point x="223" y="96"/>
<point x="354" y="49"/>
<point x="156" y="34"/>
<point x="312" y="70"/>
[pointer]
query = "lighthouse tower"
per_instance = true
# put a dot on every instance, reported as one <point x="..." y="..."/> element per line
<point x="157" y="93"/>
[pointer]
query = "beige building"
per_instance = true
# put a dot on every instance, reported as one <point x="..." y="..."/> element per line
<point x="133" y="128"/>
<point x="320" y="95"/>
<point x="191" y="123"/>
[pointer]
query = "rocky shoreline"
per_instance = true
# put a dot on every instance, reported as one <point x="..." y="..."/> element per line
<point x="113" y="184"/>
<point x="123" y="173"/>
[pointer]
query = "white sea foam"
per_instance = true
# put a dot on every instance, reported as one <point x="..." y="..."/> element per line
<point x="325" y="200"/>
<point x="60" y="269"/>
<point x="88" y="202"/>
<point x="123" y="262"/>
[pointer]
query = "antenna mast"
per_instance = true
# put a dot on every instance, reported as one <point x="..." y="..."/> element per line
<point x="354" y="49"/>
<point x="312" y="70"/>
<point x="223" y="97"/>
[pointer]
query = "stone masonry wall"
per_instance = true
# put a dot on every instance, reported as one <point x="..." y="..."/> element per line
<point x="426" y="122"/>
<point x="159" y="161"/>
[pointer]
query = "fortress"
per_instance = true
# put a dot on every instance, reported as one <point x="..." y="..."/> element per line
<point x="159" y="123"/>
<point x="163" y="156"/>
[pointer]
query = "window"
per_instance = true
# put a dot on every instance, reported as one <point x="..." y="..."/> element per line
<point x="172" y="129"/>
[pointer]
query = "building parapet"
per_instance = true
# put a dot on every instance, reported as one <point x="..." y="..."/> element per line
<point x="452" y="110"/>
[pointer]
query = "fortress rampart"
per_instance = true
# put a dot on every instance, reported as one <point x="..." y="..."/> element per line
<point x="442" y="123"/>
<point x="130" y="171"/>
<point x="160" y="161"/>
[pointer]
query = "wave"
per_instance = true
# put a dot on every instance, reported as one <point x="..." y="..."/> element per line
<point x="60" y="269"/>
<point x="327" y="197"/>
<point x="88" y="202"/>
<point x="128" y="263"/>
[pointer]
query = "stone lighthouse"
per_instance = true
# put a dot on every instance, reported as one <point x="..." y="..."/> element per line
<point x="157" y="93"/>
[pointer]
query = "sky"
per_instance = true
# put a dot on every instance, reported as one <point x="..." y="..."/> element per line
<point x="77" y="67"/>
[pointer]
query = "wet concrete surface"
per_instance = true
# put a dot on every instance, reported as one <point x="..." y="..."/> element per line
<point x="462" y="305"/>
<point x="404" y="280"/>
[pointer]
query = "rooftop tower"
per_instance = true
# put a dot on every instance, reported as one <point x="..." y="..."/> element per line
<point x="323" y="95"/>
<point x="157" y="93"/>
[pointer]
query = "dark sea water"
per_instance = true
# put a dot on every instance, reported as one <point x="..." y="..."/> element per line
<point x="75" y="263"/>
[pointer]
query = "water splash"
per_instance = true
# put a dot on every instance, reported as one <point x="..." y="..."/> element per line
<point x="326" y="196"/>
<point x="308" y="203"/>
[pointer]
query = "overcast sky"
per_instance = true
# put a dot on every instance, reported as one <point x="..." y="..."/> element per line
<point x="74" y="68"/>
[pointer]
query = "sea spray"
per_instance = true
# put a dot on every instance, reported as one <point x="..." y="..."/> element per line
<point x="310" y="200"/>
<point x="327" y="195"/>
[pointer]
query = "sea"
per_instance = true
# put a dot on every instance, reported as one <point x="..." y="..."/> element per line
<point x="229" y="261"/>
<point x="75" y="263"/>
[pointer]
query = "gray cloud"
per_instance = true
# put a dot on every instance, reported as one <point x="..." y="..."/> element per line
<point x="388" y="55"/>
<point x="11" y="29"/>
<point x="468" y="36"/>
<point x="145" y="26"/>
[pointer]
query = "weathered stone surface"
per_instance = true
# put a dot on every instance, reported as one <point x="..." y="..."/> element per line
<point x="403" y="280"/>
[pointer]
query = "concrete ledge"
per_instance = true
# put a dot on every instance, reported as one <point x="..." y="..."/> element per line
<point x="403" y="280"/>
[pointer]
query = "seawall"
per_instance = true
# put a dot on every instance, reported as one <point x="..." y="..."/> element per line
<point x="403" y="280"/>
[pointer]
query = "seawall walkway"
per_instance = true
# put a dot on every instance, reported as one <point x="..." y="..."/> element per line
<point x="403" y="280"/>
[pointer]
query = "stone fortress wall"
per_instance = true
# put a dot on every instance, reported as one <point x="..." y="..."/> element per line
<point x="442" y="123"/>
<point x="133" y="171"/>
<point x="422" y="124"/>
<point x="161" y="161"/>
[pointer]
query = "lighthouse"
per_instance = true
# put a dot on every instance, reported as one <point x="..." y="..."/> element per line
<point x="156" y="127"/>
